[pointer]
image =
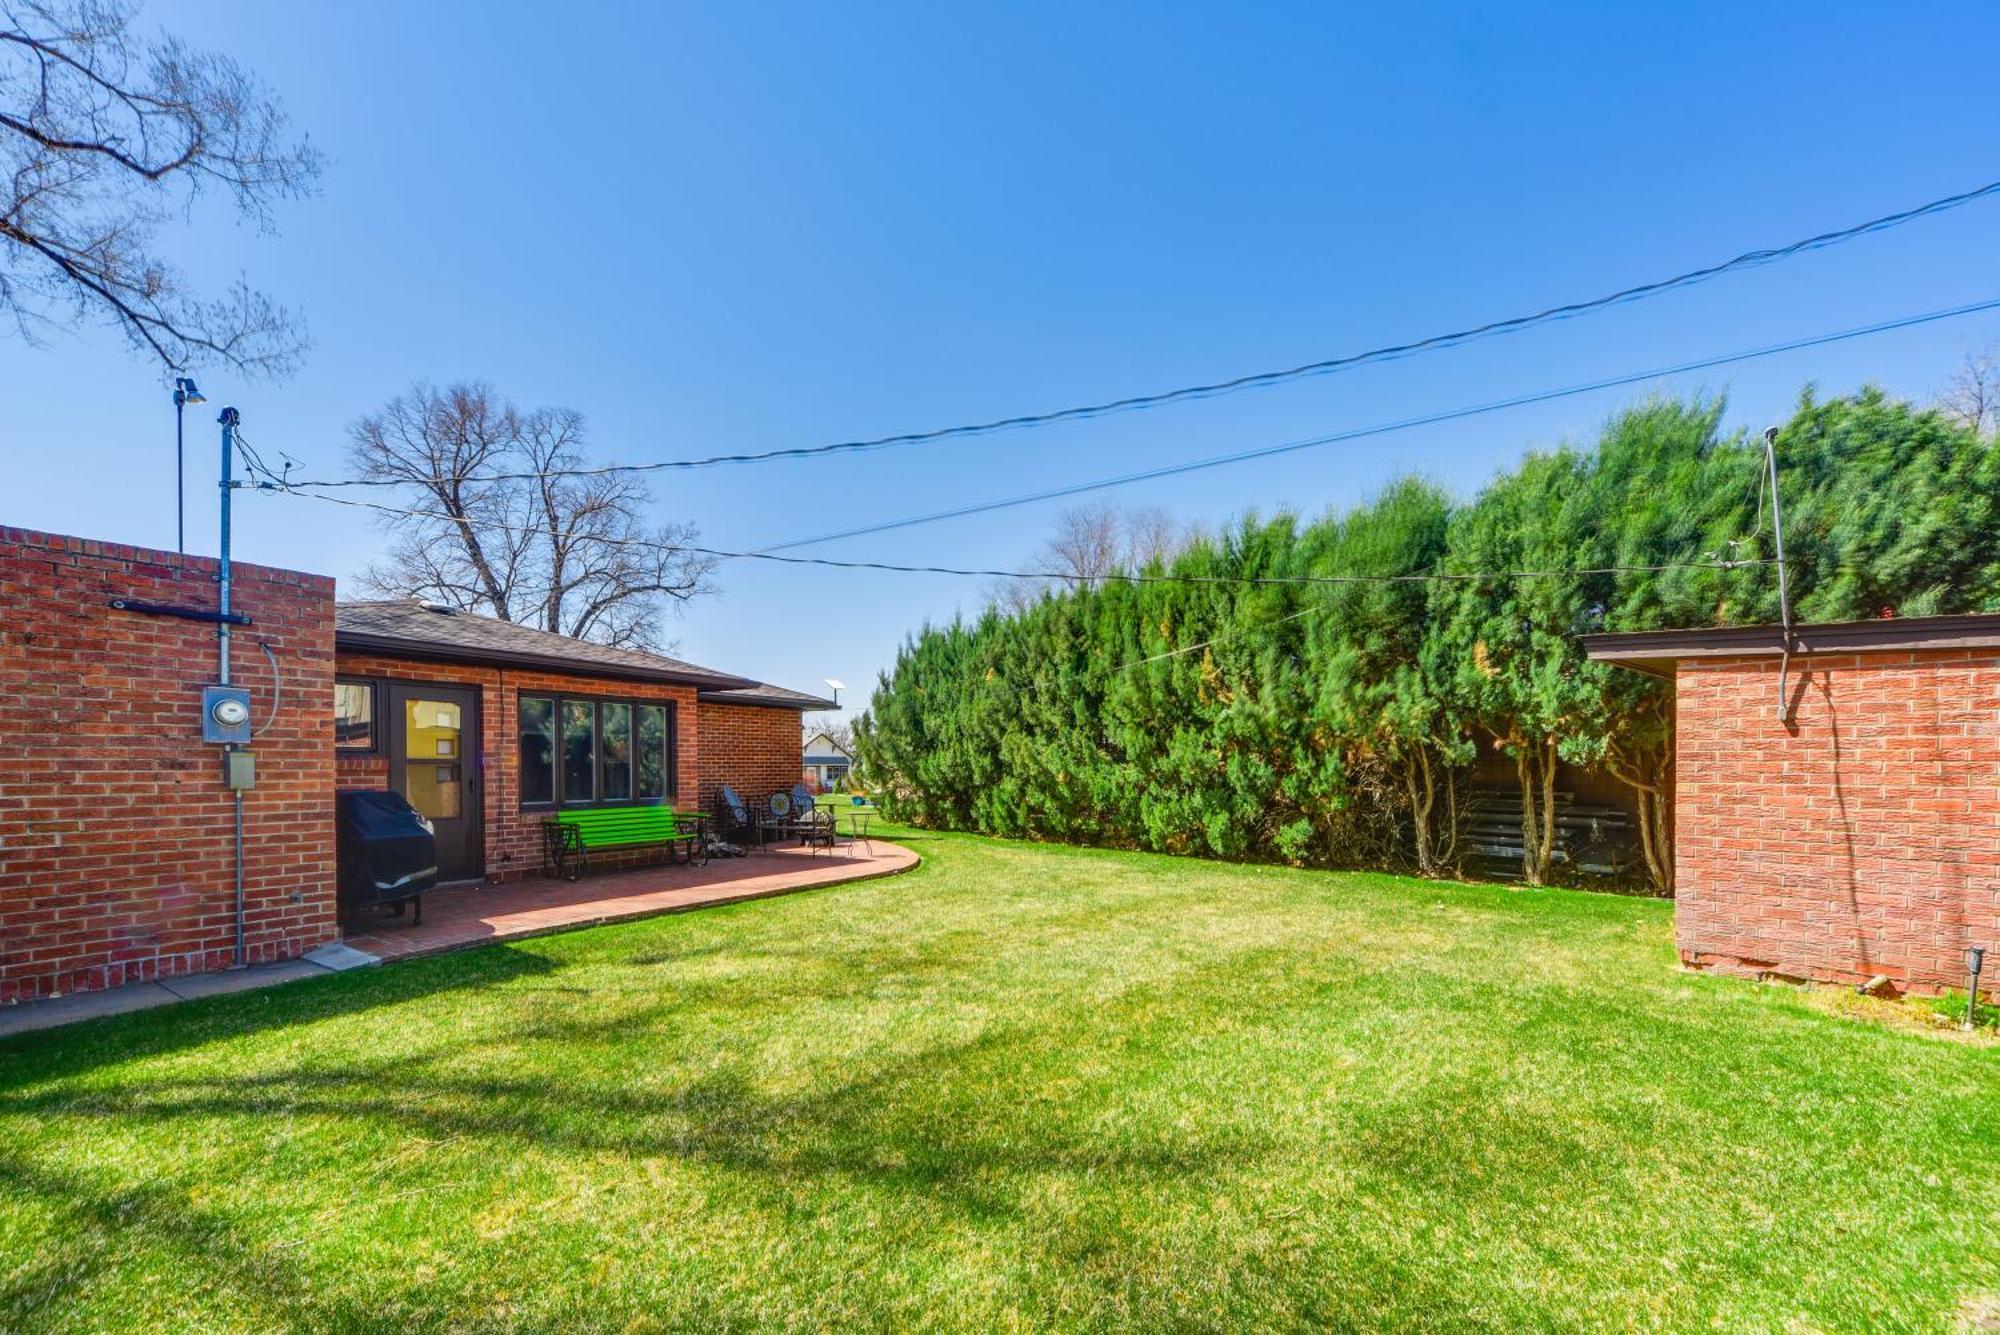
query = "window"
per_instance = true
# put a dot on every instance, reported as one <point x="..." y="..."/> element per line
<point x="652" y="751"/>
<point x="579" y="739"/>
<point x="579" y="751"/>
<point x="354" y="715"/>
<point x="538" y="750"/>
<point x="616" y="730"/>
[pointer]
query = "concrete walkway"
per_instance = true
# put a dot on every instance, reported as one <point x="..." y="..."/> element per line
<point x="471" y="915"/>
<point x="32" y="1015"/>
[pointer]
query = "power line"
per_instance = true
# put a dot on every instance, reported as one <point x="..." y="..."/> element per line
<point x="1257" y="380"/>
<point x="722" y="554"/>
<point x="1385" y="428"/>
<point x="1223" y="638"/>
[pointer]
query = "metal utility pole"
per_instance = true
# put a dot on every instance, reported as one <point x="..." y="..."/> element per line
<point x="235" y="779"/>
<point x="229" y="420"/>
<point x="184" y="394"/>
<point x="1784" y="587"/>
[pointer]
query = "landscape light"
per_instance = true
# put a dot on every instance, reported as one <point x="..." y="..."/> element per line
<point x="1975" y="960"/>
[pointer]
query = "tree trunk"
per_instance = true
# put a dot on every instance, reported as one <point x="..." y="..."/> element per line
<point x="475" y="552"/>
<point x="1548" y="758"/>
<point x="1423" y="797"/>
<point x="1448" y="858"/>
<point x="1535" y="768"/>
<point x="1647" y="776"/>
<point x="1531" y="868"/>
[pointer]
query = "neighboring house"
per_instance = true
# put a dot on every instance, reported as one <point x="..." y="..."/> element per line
<point x="827" y="762"/>
<point x="118" y="835"/>
<point x="1856" y="835"/>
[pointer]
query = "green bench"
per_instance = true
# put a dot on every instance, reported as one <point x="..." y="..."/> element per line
<point x="569" y="837"/>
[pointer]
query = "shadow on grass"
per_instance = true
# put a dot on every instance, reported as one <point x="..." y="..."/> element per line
<point x="254" y="1277"/>
<point x="971" y="1127"/>
<point x="967" y="1123"/>
<point x="980" y="1158"/>
<point x="866" y="1130"/>
<point x="73" y="1049"/>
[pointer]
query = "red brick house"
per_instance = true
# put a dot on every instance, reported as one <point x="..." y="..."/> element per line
<point x="1848" y="829"/>
<point x="117" y="832"/>
<point x="488" y="727"/>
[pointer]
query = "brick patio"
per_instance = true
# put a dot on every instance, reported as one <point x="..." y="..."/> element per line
<point x="470" y="915"/>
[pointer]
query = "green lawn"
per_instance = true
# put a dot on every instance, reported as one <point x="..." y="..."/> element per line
<point x="1022" y="1087"/>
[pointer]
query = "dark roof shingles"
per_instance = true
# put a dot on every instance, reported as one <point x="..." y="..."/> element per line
<point x="467" y="636"/>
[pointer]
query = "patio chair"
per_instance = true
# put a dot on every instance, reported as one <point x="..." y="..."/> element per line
<point x="734" y="820"/>
<point x="781" y="818"/>
<point x="813" y="819"/>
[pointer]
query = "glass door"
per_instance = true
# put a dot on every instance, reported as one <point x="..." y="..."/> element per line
<point x="434" y="764"/>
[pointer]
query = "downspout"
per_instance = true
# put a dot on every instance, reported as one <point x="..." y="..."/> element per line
<point x="1784" y="588"/>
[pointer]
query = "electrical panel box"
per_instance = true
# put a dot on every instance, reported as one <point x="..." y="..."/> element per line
<point x="239" y="770"/>
<point x="225" y="715"/>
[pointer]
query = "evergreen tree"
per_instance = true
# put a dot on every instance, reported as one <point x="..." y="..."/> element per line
<point x="1332" y="724"/>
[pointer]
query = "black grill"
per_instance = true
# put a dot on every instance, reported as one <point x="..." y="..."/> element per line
<point x="388" y="855"/>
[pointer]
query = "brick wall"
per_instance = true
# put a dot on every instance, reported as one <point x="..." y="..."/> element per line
<point x="754" y="749"/>
<point x="513" y="837"/>
<point x="1862" y="841"/>
<point x="116" y="833"/>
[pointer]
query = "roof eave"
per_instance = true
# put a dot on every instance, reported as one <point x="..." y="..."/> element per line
<point x="722" y="696"/>
<point x="1657" y="651"/>
<point x="432" y="652"/>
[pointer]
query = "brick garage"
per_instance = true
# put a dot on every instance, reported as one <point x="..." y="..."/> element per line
<point x="117" y="859"/>
<point x="1858" y="839"/>
<point x="116" y="831"/>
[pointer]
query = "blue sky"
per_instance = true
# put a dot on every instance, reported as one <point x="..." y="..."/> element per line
<point x="745" y="227"/>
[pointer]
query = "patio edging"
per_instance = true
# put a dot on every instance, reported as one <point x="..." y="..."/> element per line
<point x="664" y="910"/>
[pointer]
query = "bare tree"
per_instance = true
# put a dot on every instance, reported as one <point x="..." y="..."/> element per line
<point x="104" y="136"/>
<point x="1154" y="535"/>
<point x="505" y="525"/>
<point x="1972" y="399"/>
<point x="835" y="728"/>
<point x="1089" y="543"/>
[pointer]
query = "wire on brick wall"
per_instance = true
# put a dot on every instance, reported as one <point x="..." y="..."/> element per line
<point x="277" y="687"/>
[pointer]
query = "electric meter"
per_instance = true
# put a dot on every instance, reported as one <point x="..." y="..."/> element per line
<point x="225" y="715"/>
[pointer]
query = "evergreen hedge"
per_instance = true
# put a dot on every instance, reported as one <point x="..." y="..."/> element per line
<point x="1332" y="724"/>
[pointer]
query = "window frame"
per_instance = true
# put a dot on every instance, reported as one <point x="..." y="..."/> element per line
<point x="669" y="777"/>
<point x="606" y="767"/>
<point x="669" y="744"/>
<point x="374" y="746"/>
<point x="555" y="751"/>
<point x="563" y="707"/>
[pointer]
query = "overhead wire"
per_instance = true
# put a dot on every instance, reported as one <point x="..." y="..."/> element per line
<point x="1384" y="428"/>
<point x="278" y="487"/>
<point x="1223" y="638"/>
<point x="1261" y="379"/>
